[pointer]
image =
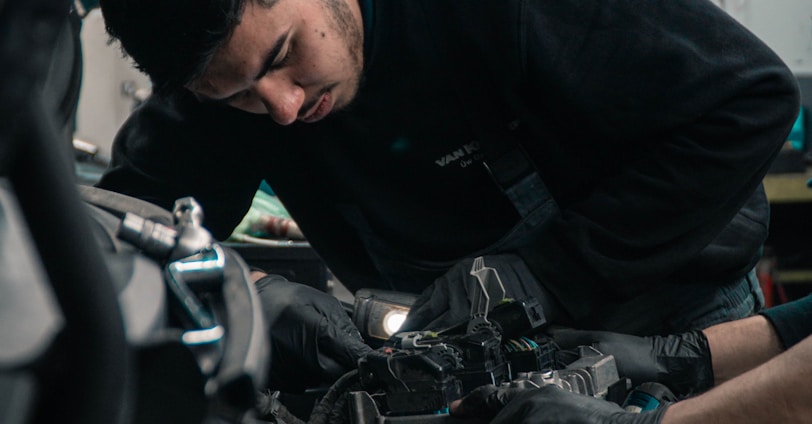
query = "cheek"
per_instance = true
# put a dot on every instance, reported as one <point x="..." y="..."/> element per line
<point x="324" y="60"/>
<point x="311" y="69"/>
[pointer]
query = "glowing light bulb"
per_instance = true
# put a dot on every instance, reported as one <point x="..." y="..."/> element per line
<point x="393" y="320"/>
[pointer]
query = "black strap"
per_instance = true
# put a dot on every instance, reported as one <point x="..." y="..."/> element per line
<point x="518" y="179"/>
<point x="505" y="160"/>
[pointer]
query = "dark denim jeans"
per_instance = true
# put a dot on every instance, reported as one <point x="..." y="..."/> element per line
<point x="682" y="307"/>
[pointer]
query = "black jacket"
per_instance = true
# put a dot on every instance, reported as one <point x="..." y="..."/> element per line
<point x="651" y="123"/>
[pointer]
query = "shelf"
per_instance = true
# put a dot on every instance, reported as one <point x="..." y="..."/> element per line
<point x="788" y="188"/>
<point x="795" y="276"/>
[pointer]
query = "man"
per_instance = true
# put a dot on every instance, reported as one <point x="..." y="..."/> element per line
<point x="756" y="382"/>
<point x="604" y="157"/>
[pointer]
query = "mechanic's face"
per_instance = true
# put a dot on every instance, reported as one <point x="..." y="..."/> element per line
<point x="298" y="59"/>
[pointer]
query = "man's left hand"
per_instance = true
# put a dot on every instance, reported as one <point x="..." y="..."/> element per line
<point x="548" y="404"/>
<point x="680" y="361"/>
<point x="313" y="340"/>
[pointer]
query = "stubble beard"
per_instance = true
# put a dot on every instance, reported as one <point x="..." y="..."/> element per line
<point x="350" y="30"/>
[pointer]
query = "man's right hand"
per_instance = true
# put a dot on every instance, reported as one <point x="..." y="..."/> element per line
<point x="682" y="362"/>
<point x="447" y="302"/>
<point x="313" y="340"/>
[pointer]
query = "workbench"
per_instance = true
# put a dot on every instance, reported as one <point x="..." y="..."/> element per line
<point x="788" y="188"/>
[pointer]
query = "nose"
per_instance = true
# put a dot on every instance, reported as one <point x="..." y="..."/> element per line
<point x="282" y="97"/>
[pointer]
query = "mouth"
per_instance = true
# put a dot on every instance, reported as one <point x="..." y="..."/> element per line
<point x="321" y="109"/>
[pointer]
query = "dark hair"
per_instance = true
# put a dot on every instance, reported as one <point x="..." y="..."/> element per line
<point x="172" y="41"/>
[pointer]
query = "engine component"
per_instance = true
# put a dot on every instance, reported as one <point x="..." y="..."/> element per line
<point x="416" y="375"/>
<point x="592" y="374"/>
<point x="234" y="362"/>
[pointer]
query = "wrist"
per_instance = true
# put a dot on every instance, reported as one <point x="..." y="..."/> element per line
<point x="681" y="412"/>
<point x="741" y="345"/>
<point x="688" y="365"/>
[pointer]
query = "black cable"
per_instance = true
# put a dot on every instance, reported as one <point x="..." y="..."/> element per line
<point x="331" y="408"/>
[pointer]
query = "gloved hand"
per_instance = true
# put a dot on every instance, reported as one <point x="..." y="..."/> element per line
<point x="313" y="340"/>
<point x="447" y="302"/>
<point x="682" y="361"/>
<point x="548" y="404"/>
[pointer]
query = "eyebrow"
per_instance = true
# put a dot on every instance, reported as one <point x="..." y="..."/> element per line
<point x="267" y="66"/>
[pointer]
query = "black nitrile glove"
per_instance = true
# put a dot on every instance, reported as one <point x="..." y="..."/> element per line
<point x="548" y="404"/>
<point x="682" y="361"/>
<point x="447" y="302"/>
<point x="313" y="340"/>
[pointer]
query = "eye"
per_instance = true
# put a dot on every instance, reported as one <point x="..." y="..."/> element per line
<point x="285" y="58"/>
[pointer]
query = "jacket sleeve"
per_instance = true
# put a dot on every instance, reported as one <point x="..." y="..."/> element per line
<point x="700" y="105"/>
<point x="172" y="148"/>
<point x="792" y="321"/>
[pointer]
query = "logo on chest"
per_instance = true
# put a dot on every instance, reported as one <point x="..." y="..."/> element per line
<point x="464" y="156"/>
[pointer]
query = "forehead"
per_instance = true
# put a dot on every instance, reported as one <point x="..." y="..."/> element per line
<point x="260" y="24"/>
